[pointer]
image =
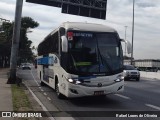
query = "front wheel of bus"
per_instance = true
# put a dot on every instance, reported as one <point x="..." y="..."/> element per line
<point x="42" y="83"/>
<point x="59" y="95"/>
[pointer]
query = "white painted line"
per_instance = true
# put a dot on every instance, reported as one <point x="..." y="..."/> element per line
<point x="153" y="106"/>
<point x="34" y="79"/>
<point x="40" y="103"/>
<point x="39" y="87"/>
<point x="122" y="96"/>
<point x="49" y="98"/>
<point x="45" y="94"/>
<point x="42" y="90"/>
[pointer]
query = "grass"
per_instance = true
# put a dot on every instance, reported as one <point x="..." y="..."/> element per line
<point x="20" y="99"/>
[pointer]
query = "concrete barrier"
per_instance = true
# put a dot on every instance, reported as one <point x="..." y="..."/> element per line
<point x="153" y="75"/>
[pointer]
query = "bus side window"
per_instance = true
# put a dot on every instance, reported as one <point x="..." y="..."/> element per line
<point x="55" y="43"/>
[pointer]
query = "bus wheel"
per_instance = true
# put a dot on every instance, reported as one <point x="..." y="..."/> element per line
<point x="42" y="83"/>
<point x="59" y="95"/>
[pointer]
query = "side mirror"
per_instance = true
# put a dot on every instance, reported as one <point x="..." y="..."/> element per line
<point x="129" y="46"/>
<point x="62" y="31"/>
<point x="64" y="44"/>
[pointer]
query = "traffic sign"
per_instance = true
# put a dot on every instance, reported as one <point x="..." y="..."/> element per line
<point x="87" y="8"/>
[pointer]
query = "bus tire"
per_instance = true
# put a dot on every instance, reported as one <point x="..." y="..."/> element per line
<point x="59" y="95"/>
<point x="42" y="83"/>
<point x="40" y="75"/>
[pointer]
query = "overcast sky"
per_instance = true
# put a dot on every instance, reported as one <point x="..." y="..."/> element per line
<point x="119" y="15"/>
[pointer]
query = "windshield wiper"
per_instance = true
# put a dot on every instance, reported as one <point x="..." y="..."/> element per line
<point x="102" y="59"/>
<point x="104" y="62"/>
<point x="74" y="63"/>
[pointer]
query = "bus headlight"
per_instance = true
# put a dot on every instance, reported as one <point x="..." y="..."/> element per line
<point x="119" y="78"/>
<point x="74" y="81"/>
<point x="70" y="80"/>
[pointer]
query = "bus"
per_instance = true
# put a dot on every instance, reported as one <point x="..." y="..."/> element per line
<point x="82" y="59"/>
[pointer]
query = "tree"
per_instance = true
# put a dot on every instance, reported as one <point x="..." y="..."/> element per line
<point x="25" y="51"/>
<point x="5" y="44"/>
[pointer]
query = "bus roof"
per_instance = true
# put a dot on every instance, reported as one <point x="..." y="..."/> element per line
<point x="84" y="26"/>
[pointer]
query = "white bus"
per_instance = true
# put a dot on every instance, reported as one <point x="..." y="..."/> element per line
<point x="81" y="59"/>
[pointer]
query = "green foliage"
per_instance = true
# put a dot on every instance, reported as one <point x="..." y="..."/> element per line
<point x="28" y="22"/>
<point x="6" y="34"/>
<point x="20" y="99"/>
<point x="5" y="43"/>
<point x="25" y="51"/>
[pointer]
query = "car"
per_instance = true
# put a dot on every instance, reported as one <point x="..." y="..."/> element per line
<point x="26" y="66"/>
<point x="130" y="72"/>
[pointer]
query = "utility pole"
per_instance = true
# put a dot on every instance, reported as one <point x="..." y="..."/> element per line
<point x="15" y="42"/>
<point x="1" y="22"/>
<point x="125" y="39"/>
<point x="132" y="34"/>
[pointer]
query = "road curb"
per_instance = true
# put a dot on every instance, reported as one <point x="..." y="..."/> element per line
<point x="40" y="103"/>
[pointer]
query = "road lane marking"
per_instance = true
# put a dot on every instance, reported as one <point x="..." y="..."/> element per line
<point x="42" y="90"/>
<point x="45" y="94"/>
<point x="122" y="96"/>
<point x="39" y="87"/>
<point x="34" y="79"/>
<point x="49" y="98"/>
<point x="43" y="107"/>
<point x="40" y="103"/>
<point x="153" y="106"/>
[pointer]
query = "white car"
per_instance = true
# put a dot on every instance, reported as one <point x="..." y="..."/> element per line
<point x="26" y="66"/>
<point x="130" y="72"/>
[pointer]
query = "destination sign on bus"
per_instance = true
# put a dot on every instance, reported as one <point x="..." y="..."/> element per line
<point x="78" y="34"/>
<point x="83" y="34"/>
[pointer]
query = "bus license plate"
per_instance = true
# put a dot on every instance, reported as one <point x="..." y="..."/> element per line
<point x="98" y="92"/>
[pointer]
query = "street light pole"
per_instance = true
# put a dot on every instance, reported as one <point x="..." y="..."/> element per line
<point x="125" y="39"/>
<point x="132" y="34"/>
<point x="1" y="22"/>
<point x="15" y="42"/>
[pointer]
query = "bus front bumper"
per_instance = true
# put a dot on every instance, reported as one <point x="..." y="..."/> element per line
<point x="81" y="91"/>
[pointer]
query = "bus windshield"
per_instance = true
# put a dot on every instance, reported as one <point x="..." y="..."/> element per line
<point x="95" y="53"/>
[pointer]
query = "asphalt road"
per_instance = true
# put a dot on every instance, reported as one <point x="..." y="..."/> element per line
<point x="143" y="95"/>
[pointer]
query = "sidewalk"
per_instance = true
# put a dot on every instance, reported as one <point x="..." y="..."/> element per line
<point x="6" y="104"/>
<point x="5" y="93"/>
